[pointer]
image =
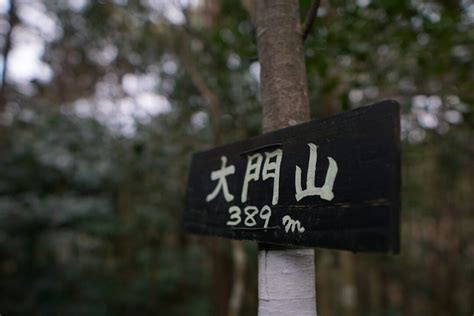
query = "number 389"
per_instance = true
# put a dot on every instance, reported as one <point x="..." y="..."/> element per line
<point x="250" y="212"/>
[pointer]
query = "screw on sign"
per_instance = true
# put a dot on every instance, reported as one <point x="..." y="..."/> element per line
<point x="332" y="183"/>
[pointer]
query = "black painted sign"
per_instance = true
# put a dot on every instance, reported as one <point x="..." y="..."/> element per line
<point x="330" y="183"/>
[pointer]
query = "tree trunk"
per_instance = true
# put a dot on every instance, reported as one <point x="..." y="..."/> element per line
<point x="6" y="50"/>
<point x="349" y="290"/>
<point x="283" y="71"/>
<point x="286" y="276"/>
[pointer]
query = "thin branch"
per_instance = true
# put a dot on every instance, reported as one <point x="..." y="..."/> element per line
<point x="215" y="107"/>
<point x="238" y="287"/>
<point x="194" y="34"/>
<point x="188" y="33"/>
<point x="7" y="47"/>
<point x="310" y="18"/>
<point x="205" y="91"/>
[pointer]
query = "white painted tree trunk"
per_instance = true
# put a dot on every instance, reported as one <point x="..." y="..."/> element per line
<point x="286" y="283"/>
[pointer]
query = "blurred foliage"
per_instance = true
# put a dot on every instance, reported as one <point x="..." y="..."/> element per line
<point x="91" y="192"/>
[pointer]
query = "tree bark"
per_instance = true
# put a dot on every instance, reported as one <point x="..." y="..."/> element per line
<point x="286" y="276"/>
<point x="283" y="71"/>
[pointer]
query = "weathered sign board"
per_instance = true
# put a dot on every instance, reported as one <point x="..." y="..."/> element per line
<point x="330" y="183"/>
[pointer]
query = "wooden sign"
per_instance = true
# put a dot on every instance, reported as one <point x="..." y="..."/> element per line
<point x="331" y="183"/>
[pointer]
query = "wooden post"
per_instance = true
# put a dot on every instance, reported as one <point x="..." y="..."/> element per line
<point x="286" y="283"/>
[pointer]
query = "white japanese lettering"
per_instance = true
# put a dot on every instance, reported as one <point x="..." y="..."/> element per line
<point x="325" y="192"/>
<point x="254" y="164"/>
<point x="221" y="175"/>
<point x="271" y="169"/>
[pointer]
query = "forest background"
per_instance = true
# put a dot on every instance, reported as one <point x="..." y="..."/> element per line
<point x="102" y="103"/>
